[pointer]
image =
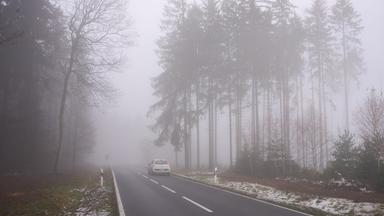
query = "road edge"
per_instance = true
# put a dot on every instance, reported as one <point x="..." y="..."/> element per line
<point x="239" y="193"/>
<point x="117" y="195"/>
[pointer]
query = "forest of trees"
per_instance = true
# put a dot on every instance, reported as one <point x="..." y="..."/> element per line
<point x="271" y="71"/>
<point x="53" y="65"/>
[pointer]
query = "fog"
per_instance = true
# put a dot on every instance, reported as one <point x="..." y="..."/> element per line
<point x="162" y="107"/>
<point x="123" y="127"/>
<point x="144" y="79"/>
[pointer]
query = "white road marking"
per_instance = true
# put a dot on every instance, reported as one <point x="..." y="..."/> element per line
<point x="154" y="181"/>
<point x="197" y="204"/>
<point x="167" y="188"/>
<point x="145" y="176"/>
<point x="244" y="196"/>
<point x="119" y="203"/>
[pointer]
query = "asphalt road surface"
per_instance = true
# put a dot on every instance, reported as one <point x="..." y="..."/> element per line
<point x="144" y="195"/>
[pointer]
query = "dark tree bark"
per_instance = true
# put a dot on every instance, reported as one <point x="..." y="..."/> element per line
<point x="64" y="96"/>
<point x="198" y="125"/>
<point x="230" y="127"/>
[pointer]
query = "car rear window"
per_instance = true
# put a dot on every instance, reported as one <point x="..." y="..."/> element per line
<point x="161" y="162"/>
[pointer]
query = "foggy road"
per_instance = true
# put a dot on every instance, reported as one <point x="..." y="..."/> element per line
<point x="144" y="195"/>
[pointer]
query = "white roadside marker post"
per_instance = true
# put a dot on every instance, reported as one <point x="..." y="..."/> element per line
<point x="215" y="177"/>
<point x="101" y="177"/>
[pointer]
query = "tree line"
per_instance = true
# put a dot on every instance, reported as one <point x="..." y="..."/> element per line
<point x="54" y="60"/>
<point x="270" y="69"/>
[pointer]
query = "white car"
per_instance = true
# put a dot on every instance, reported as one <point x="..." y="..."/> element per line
<point x="159" y="167"/>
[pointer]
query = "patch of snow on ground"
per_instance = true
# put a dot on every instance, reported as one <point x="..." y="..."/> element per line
<point x="91" y="203"/>
<point x="330" y="205"/>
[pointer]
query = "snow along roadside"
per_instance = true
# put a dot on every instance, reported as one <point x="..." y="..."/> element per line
<point x="239" y="193"/>
<point x="333" y="206"/>
<point x="118" y="198"/>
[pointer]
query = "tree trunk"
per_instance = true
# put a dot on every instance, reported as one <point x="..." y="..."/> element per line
<point x="74" y="144"/>
<point x="210" y="127"/>
<point x="61" y="118"/>
<point x="257" y="135"/>
<point x="269" y="118"/>
<point x="314" y="129"/>
<point x="215" y="133"/>
<point x="4" y="121"/>
<point x="187" y="128"/>
<point x="264" y="122"/>
<point x="346" y="82"/>
<point x="325" y="123"/>
<point x="189" y="115"/>
<point x="176" y="159"/>
<point x="198" y="126"/>
<point x="230" y="127"/>
<point x="303" y="144"/>
<point x="286" y="124"/>
<point x="297" y="121"/>
<point x="185" y="136"/>
<point x="282" y="137"/>
<point x="253" y="116"/>
<point x="63" y="103"/>
<point x="321" y="136"/>
<point x="287" y="118"/>
<point x="238" y="123"/>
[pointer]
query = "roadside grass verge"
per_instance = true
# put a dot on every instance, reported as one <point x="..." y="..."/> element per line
<point x="66" y="194"/>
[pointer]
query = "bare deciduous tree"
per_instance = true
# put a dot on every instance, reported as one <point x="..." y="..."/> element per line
<point x="97" y="30"/>
<point x="371" y="116"/>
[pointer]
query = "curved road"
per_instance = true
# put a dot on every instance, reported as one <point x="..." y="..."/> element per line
<point x="144" y="195"/>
